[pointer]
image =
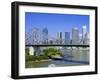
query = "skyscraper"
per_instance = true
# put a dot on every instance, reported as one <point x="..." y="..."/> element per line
<point x="80" y="39"/>
<point x="67" y="37"/>
<point x="86" y="40"/>
<point x="75" y="36"/>
<point x="84" y="31"/>
<point x="59" y="37"/>
<point x="45" y="35"/>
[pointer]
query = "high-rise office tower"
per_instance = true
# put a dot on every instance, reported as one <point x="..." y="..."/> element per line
<point x="67" y="37"/>
<point x="80" y="39"/>
<point x="45" y="36"/>
<point x="59" y="37"/>
<point x="86" y="40"/>
<point x="84" y="31"/>
<point x="75" y="36"/>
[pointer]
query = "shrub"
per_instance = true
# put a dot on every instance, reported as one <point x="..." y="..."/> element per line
<point x="30" y="58"/>
<point x="26" y="51"/>
<point x="51" y="51"/>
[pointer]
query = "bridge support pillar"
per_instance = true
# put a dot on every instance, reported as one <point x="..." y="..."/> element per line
<point x="37" y="51"/>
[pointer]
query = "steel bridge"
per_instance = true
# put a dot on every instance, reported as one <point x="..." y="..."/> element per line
<point x="35" y="38"/>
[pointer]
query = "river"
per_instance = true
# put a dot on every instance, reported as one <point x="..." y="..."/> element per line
<point x="76" y="56"/>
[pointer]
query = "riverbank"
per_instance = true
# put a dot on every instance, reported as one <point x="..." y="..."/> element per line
<point x="37" y="63"/>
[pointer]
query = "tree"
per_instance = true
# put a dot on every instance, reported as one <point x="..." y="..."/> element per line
<point x="27" y="51"/>
<point x="51" y="51"/>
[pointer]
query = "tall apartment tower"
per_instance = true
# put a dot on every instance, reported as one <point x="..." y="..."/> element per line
<point x="84" y="31"/>
<point x="67" y="38"/>
<point x="87" y="39"/>
<point x="80" y="39"/>
<point x="59" y="37"/>
<point x="75" y="36"/>
<point x="45" y="36"/>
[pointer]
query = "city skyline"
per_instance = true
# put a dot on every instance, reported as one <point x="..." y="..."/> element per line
<point x="38" y="36"/>
<point x="55" y="22"/>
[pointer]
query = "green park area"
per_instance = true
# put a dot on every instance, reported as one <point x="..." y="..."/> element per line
<point x="37" y="60"/>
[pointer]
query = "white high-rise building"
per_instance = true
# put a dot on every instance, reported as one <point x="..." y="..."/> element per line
<point x="87" y="38"/>
<point x="84" y="31"/>
<point x="80" y="39"/>
<point x="75" y="36"/>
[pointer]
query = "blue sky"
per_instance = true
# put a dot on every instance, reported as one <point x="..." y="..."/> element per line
<point x="55" y="22"/>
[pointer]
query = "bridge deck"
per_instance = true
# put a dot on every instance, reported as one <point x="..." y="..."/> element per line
<point x="59" y="45"/>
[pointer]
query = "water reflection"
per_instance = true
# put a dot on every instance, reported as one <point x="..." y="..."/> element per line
<point x="71" y="56"/>
<point x="79" y="53"/>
